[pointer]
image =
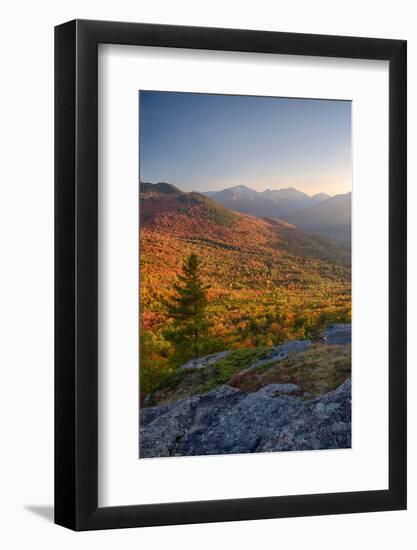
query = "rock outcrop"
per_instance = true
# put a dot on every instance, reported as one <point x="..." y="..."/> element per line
<point x="206" y="361"/>
<point x="228" y="420"/>
<point x="338" y="334"/>
<point x="278" y="353"/>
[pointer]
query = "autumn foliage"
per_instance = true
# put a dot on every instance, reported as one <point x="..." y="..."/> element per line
<point x="263" y="280"/>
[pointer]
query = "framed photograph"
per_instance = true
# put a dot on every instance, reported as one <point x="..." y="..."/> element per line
<point x="230" y="252"/>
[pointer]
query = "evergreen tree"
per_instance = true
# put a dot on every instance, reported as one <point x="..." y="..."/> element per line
<point x="187" y="309"/>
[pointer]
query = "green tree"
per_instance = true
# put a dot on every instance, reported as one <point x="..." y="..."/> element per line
<point x="153" y="366"/>
<point x="190" y="327"/>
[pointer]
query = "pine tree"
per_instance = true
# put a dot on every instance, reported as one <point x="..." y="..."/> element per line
<point x="187" y="309"/>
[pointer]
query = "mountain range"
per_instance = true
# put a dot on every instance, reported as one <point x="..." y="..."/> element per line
<point x="331" y="217"/>
<point x="234" y="246"/>
<point x="276" y="203"/>
<point x="320" y="213"/>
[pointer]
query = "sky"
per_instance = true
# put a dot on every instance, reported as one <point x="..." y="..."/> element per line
<point x="207" y="142"/>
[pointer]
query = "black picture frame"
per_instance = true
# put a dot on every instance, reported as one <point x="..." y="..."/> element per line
<point x="76" y="272"/>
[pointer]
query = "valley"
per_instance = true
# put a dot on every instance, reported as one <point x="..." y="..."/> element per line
<point x="269" y="282"/>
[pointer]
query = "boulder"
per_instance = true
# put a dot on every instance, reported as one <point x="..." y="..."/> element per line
<point x="278" y="353"/>
<point x="206" y="361"/>
<point x="227" y="420"/>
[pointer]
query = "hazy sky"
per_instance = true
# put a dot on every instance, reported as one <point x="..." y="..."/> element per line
<point x="205" y="142"/>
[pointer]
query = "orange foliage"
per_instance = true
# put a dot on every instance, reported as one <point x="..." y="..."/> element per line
<point x="269" y="281"/>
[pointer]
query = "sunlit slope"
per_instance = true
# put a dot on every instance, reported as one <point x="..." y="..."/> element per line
<point x="260" y="269"/>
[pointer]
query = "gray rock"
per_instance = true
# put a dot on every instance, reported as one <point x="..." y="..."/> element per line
<point x="278" y="353"/>
<point x="162" y="427"/>
<point x="274" y="390"/>
<point x="228" y="420"/>
<point x="323" y="423"/>
<point x="338" y="334"/>
<point x="206" y="361"/>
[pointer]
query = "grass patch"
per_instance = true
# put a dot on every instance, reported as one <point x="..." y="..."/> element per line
<point x="233" y="363"/>
<point x="318" y="370"/>
<point x="184" y="383"/>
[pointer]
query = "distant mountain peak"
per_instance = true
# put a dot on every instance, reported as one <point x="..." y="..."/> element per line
<point x="275" y="203"/>
<point x="321" y="196"/>
<point x="287" y="192"/>
<point x="240" y="189"/>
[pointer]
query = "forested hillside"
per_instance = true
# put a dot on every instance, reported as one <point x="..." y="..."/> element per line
<point x="267" y="281"/>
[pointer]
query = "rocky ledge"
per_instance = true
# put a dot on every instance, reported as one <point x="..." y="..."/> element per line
<point x="338" y="334"/>
<point x="228" y="420"/>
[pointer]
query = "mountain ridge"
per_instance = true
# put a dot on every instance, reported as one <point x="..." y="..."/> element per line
<point x="201" y="216"/>
<point x="279" y="203"/>
<point x="317" y="214"/>
<point x="331" y="217"/>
